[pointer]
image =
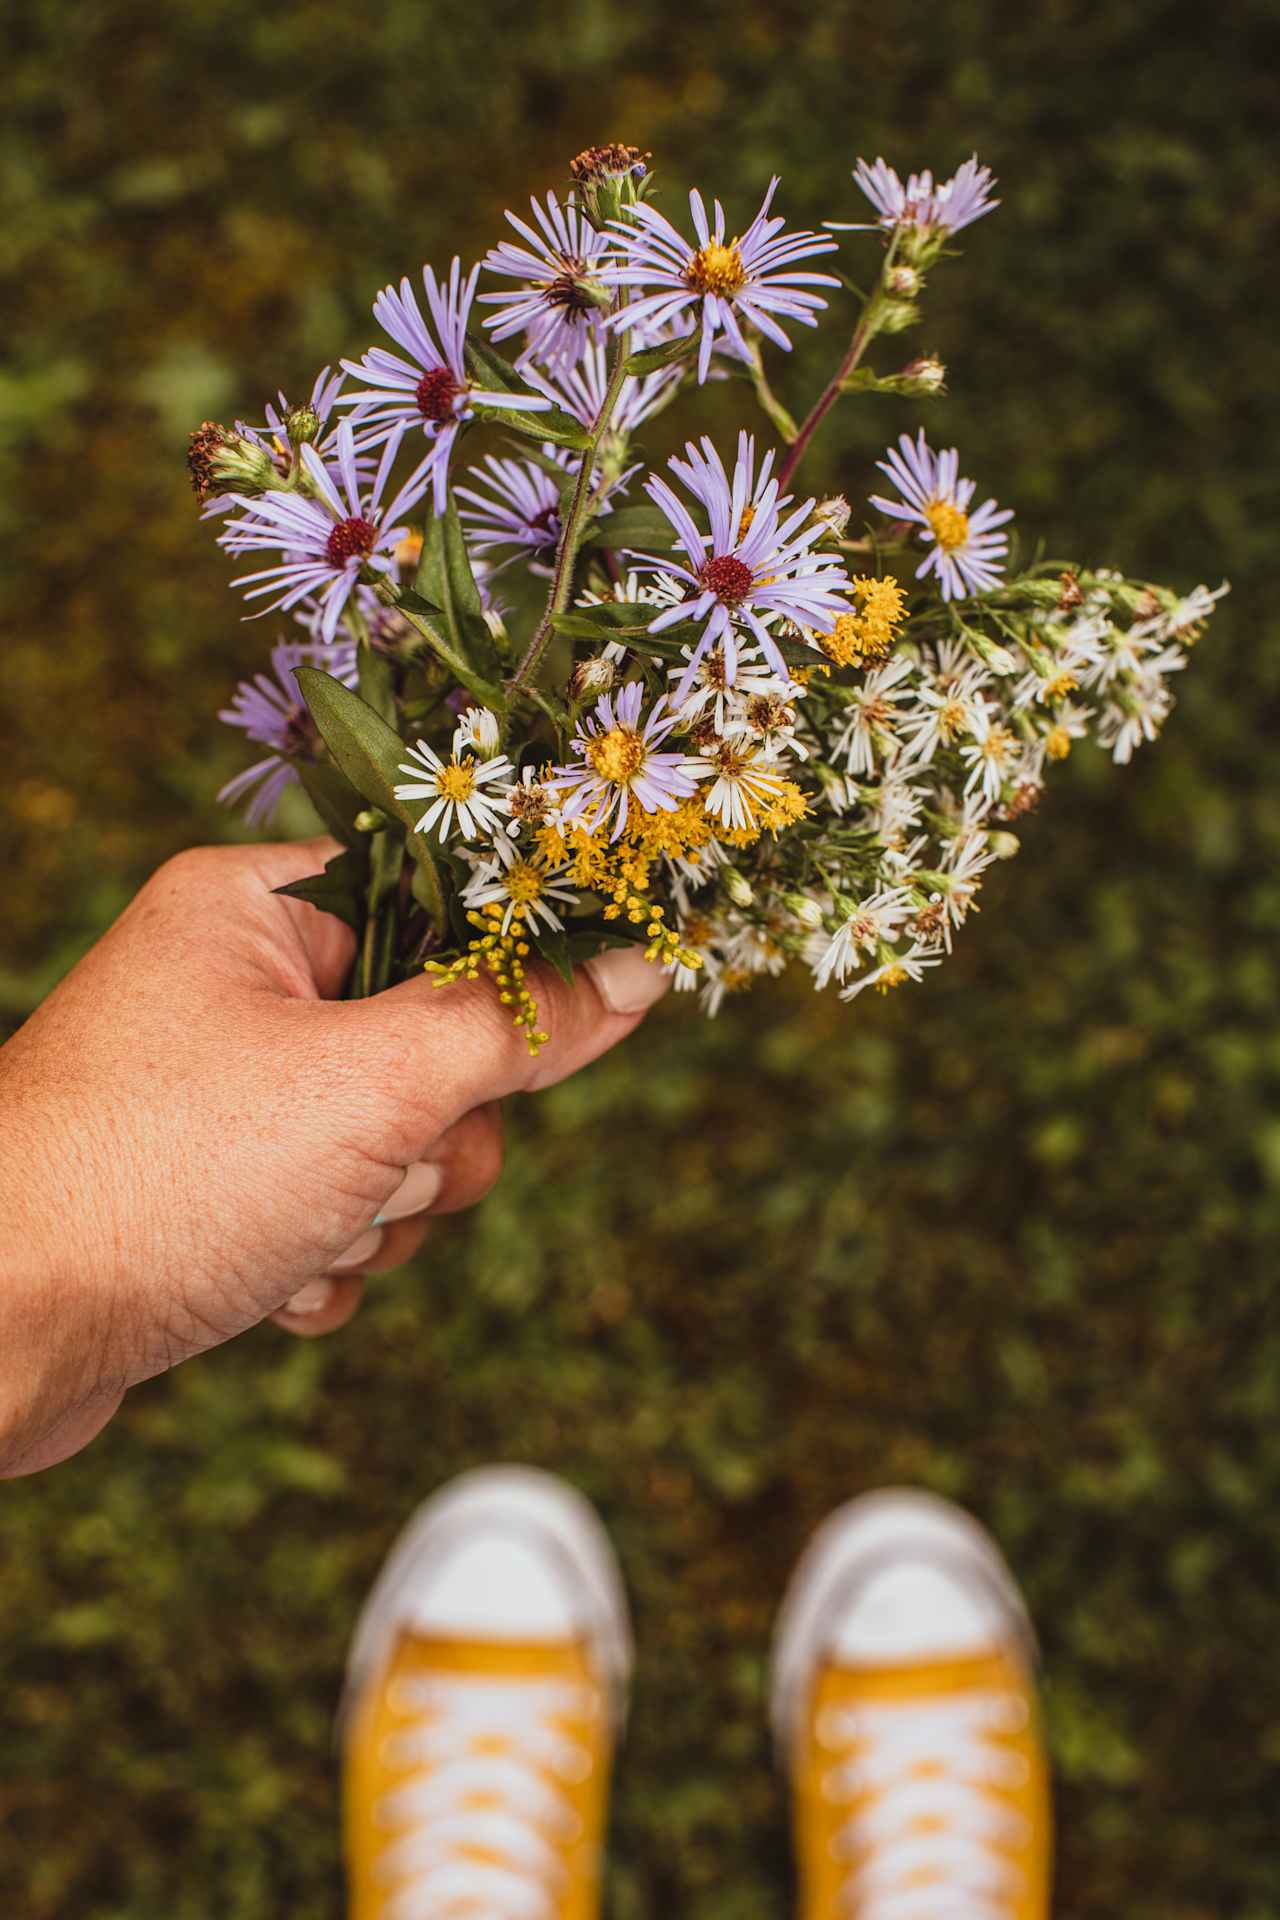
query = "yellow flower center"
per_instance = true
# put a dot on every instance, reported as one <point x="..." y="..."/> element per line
<point x="744" y="524"/>
<point x="617" y="755"/>
<point x="716" y="268"/>
<point x="1059" y="685"/>
<point x="952" y="718"/>
<point x="1057" y="743"/>
<point x="457" y="780"/>
<point x="950" y="525"/>
<point x="893" y="976"/>
<point x="523" y="882"/>
<point x="408" y="551"/>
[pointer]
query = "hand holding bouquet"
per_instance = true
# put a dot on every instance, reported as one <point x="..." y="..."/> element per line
<point x="551" y="701"/>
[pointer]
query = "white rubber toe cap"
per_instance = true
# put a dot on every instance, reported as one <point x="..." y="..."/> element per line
<point x="894" y="1578"/>
<point x="502" y="1553"/>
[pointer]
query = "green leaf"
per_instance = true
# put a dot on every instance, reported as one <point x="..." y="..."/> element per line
<point x="643" y="527"/>
<point x="367" y="750"/>
<point x="611" y="616"/>
<point x="377" y="683"/>
<point x="490" y="368"/>
<point x="663" y="646"/>
<point x="339" y="890"/>
<point x="552" y="944"/>
<point x="551" y="423"/>
<point x="449" y="611"/>
<point x="650" y="359"/>
<point x="335" y="800"/>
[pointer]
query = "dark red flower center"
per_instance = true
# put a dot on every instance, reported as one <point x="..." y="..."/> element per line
<point x="350" y="540"/>
<point x="729" y="578"/>
<point x="436" y="392"/>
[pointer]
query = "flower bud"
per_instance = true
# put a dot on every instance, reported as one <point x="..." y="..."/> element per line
<point x="218" y="457"/>
<point x="371" y="820"/>
<point x="895" y="316"/>
<point x="904" y="282"/>
<point x="593" y="676"/>
<point x="926" y="375"/>
<point x="833" y="514"/>
<point x="1004" y="845"/>
<point x="302" y="424"/>
<point x="737" y="886"/>
<point x="805" y="908"/>
<point x="608" y="180"/>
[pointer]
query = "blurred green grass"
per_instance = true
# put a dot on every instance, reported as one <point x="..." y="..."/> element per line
<point x="1010" y="1235"/>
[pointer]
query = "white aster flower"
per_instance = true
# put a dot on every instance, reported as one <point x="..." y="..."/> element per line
<point x="524" y="884"/>
<point x="993" y="754"/>
<point x="743" y="781"/>
<point x="455" y="790"/>
<point x="870" y="729"/>
<point x="868" y="923"/>
<point x="895" y="971"/>
<point x="945" y="708"/>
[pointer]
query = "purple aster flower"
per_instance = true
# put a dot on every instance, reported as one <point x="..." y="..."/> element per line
<point x="326" y="541"/>
<point x="619" y="761"/>
<point x="966" y="551"/>
<point x="431" y="388"/>
<point x="519" y="508"/>
<point x="272" y="712"/>
<point x="580" y="390"/>
<point x="754" y="566"/>
<point x="750" y="279"/>
<point x="946" y="208"/>
<point x="555" y="307"/>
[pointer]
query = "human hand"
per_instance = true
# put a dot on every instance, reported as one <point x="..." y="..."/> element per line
<point x="195" y="1135"/>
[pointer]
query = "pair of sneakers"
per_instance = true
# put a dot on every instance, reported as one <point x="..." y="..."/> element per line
<point x="487" y="1689"/>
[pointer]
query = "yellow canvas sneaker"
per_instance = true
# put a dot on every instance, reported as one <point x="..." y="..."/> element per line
<point x="904" y="1709"/>
<point x="485" y="1690"/>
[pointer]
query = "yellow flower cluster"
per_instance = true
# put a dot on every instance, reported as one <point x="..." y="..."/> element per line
<point x="619" y="869"/>
<point x="869" y="633"/>
<point x="504" y="955"/>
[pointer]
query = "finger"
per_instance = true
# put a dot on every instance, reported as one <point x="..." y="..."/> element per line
<point x="464" y="1164"/>
<point x="448" y="1050"/>
<point x="325" y="943"/>
<point x="322" y="1305"/>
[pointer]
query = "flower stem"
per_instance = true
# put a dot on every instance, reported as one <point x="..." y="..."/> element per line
<point x="571" y="532"/>
<point x="822" y="406"/>
<point x="783" y="424"/>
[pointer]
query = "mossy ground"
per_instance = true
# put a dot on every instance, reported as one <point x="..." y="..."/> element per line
<point x="1010" y="1235"/>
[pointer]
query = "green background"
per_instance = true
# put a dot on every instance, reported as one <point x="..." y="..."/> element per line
<point x="1009" y="1235"/>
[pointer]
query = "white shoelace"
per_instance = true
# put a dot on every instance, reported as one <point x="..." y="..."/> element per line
<point x="958" y="1866"/>
<point x="440" y="1827"/>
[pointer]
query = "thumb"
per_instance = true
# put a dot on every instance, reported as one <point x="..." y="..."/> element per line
<point x="458" y="1046"/>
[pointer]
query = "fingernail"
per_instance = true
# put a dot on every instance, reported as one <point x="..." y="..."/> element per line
<point x="626" y="981"/>
<point x="419" y="1190"/>
<point x="313" y="1298"/>
<point x="356" y="1254"/>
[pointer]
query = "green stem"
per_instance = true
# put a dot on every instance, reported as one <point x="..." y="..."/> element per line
<point x="571" y="532"/>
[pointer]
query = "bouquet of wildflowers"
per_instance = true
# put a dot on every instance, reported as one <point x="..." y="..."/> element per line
<point x="548" y="700"/>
